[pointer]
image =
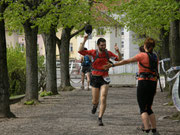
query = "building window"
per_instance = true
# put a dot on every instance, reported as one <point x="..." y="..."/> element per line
<point x="71" y="47"/>
<point x="101" y="31"/>
<point x="116" y="31"/>
<point x="122" y="44"/>
<point x="122" y="30"/>
<point x="122" y="54"/>
<point x="21" y="46"/>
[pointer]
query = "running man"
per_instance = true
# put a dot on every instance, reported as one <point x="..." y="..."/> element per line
<point x="147" y="83"/>
<point x="86" y="69"/>
<point x="100" y="79"/>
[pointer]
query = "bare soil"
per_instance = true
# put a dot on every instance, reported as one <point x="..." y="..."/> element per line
<point x="69" y="113"/>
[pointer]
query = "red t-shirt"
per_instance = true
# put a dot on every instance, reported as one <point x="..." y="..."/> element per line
<point x="99" y="62"/>
<point x="144" y="59"/>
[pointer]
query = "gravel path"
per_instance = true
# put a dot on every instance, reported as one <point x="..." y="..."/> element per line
<point x="69" y="113"/>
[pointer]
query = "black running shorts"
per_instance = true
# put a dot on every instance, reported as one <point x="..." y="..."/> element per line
<point x="86" y="69"/>
<point x="97" y="81"/>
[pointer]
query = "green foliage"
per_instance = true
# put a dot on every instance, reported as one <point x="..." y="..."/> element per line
<point x="148" y="17"/>
<point x="58" y="14"/>
<point x="46" y="93"/>
<point x="31" y="102"/>
<point x="16" y="63"/>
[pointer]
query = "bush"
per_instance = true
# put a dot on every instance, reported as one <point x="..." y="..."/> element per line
<point x="16" y="62"/>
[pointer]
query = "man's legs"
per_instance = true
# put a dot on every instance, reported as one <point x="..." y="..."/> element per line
<point x="88" y="79"/>
<point x="103" y="97"/>
<point x="82" y="79"/>
<point x="95" y="97"/>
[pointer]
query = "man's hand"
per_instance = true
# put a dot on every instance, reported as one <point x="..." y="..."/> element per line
<point x="116" y="48"/>
<point x="107" y="66"/>
<point x="118" y="52"/>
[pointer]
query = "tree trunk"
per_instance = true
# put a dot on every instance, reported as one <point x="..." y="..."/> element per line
<point x="164" y="51"/>
<point x="64" y="58"/>
<point x="4" y="80"/>
<point x="50" y="47"/>
<point x="31" y="62"/>
<point x="174" y="45"/>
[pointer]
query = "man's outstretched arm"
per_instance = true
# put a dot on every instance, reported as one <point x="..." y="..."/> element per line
<point x="81" y="47"/>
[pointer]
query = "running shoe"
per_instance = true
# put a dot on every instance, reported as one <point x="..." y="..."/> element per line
<point x="94" y="109"/>
<point x="100" y="123"/>
<point x="141" y="128"/>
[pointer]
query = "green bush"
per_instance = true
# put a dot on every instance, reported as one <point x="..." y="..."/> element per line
<point x="16" y="62"/>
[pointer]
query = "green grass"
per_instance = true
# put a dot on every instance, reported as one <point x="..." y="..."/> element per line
<point x="45" y="93"/>
<point x="17" y="96"/>
<point x="31" y="102"/>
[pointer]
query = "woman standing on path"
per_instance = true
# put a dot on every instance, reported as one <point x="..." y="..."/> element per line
<point x="147" y="83"/>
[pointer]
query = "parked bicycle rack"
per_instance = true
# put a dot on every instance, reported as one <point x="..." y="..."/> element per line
<point x="176" y="87"/>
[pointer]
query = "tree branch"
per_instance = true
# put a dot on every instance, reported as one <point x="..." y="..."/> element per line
<point x="77" y="32"/>
<point x="3" y="6"/>
<point x="58" y="41"/>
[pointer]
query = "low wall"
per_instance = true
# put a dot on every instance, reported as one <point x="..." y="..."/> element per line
<point x="123" y="80"/>
<point x="129" y="81"/>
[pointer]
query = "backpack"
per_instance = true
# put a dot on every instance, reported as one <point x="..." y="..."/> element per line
<point x="153" y="62"/>
<point x="86" y="61"/>
<point x="97" y="56"/>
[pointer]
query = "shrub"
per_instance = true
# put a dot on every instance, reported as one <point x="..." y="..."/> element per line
<point x="16" y="62"/>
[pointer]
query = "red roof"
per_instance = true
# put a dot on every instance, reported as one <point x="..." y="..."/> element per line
<point x="101" y="7"/>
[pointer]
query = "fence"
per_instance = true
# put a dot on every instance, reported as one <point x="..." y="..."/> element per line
<point x="129" y="68"/>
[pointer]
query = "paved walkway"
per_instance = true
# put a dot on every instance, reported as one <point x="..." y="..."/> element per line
<point x="70" y="114"/>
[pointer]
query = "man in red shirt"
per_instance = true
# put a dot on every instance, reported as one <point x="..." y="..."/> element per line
<point x="100" y="79"/>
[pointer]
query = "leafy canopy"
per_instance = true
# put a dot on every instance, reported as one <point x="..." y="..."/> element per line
<point x="147" y="17"/>
<point x="61" y="13"/>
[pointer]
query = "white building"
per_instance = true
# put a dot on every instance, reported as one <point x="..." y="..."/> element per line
<point x="112" y="37"/>
<point x="116" y="35"/>
<point x="128" y="47"/>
